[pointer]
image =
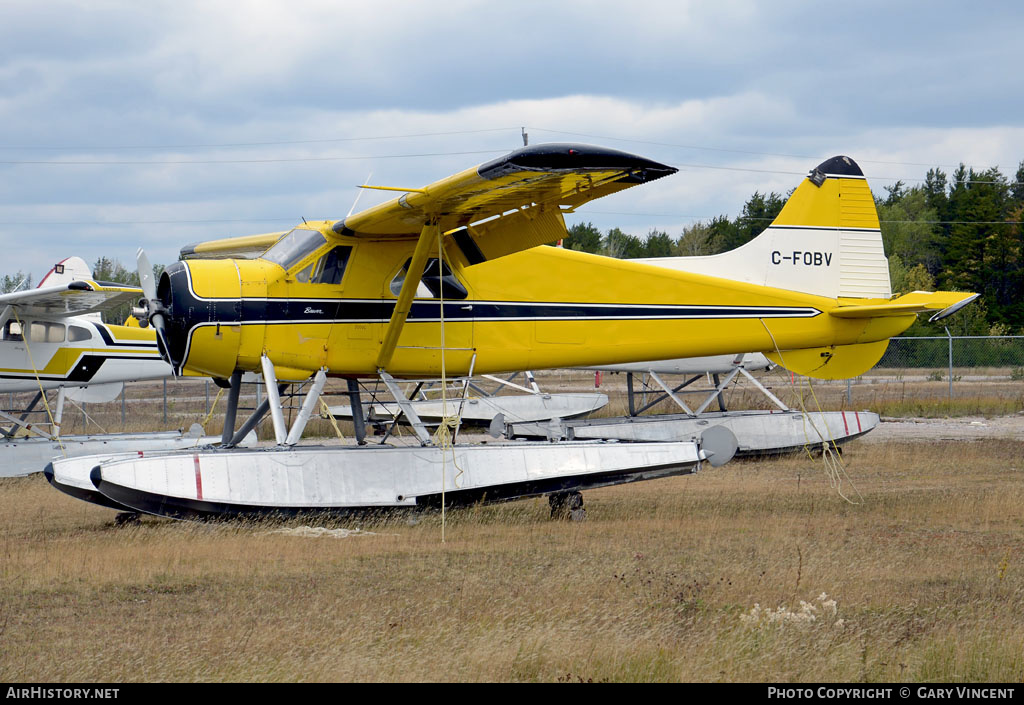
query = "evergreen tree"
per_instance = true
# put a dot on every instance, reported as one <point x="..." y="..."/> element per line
<point x="896" y="192"/>
<point x="658" y="244"/>
<point x="722" y="235"/>
<point x="583" y="237"/>
<point x="984" y="252"/>
<point x="758" y="213"/>
<point x="908" y="230"/>
<point x="1018" y="185"/>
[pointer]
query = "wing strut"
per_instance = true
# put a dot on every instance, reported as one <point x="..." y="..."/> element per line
<point x="428" y="235"/>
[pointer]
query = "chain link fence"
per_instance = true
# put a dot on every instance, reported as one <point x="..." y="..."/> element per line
<point x="981" y="374"/>
<point x="950" y="357"/>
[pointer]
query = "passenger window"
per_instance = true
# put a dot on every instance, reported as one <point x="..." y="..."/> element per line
<point x="77" y="334"/>
<point x="430" y="286"/>
<point x="43" y="332"/>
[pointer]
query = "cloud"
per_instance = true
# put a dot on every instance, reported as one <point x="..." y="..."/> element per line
<point x="741" y="96"/>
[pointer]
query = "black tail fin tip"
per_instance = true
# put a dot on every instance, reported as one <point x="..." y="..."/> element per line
<point x="839" y="166"/>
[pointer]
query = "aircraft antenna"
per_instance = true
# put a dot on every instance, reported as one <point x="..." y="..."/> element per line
<point x="358" y="194"/>
<point x="526" y="137"/>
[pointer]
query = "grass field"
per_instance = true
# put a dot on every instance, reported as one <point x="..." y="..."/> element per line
<point x="659" y="583"/>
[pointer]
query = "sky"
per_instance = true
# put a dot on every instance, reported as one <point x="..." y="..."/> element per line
<point x="158" y="124"/>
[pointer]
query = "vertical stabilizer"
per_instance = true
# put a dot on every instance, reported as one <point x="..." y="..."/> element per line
<point x="826" y="241"/>
<point x="66" y="271"/>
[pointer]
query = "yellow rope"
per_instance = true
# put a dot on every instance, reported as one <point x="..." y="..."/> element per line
<point x="326" y="413"/>
<point x="832" y="462"/>
<point x="443" y="436"/>
<point x="220" y="391"/>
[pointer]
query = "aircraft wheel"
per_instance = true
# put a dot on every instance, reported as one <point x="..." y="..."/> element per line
<point x="126" y="518"/>
<point x="557" y="503"/>
<point x="567" y="505"/>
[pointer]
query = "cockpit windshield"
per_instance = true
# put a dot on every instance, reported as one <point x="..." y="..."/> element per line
<point x="294" y="246"/>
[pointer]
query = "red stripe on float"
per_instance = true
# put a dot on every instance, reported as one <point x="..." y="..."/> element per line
<point x="846" y="426"/>
<point x="859" y="429"/>
<point x="199" y="478"/>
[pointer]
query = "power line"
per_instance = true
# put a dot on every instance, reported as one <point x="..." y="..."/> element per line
<point x="734" y="151"/>
<point x="156" y="162"/>
<point x="581" y="214"/>
<point x="152" y="222"/>
<point x="279" y="160"/>
<point x="745" y="217"/>
<point x="337" y="140"/>
<point x="228" y="145"/>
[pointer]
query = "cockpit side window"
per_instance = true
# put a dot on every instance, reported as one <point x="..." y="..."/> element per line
<point x="332" y="266"/>
<point x="12" y="331"/>
<point x="294" y="247"/>
<point x="329" y="269"/>
<point x="435" y="281"/>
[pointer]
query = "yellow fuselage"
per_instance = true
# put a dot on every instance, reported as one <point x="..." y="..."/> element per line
<point x="540" y="308"/>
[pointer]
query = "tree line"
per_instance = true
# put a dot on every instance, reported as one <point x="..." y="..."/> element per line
<point x="959" y="232"/>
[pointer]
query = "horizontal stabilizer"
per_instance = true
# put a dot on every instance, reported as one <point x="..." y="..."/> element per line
<point x="944" y="303"/>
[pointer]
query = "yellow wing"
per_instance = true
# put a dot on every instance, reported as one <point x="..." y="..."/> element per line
<point x="521" y="196"/>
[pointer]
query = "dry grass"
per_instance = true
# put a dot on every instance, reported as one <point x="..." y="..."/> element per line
<point x="927" y="572"/>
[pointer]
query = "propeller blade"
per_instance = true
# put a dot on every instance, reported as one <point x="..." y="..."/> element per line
<point x="146" y="279"/>
<point x="154" y="315"/>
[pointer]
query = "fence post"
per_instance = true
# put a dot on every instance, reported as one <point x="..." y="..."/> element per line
<point x="949" y="335"/>
<point x="165" y="401"/>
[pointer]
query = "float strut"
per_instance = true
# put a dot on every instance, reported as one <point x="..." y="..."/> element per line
<point x="276" y="414"/>
<point x="307" y="407"/>
<point x="357" y="411"/>
<point x="232" y="410"/>
<point x="21" y="422"/>
<point x="254" y="418"/>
